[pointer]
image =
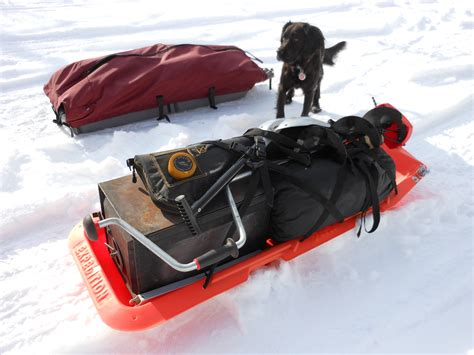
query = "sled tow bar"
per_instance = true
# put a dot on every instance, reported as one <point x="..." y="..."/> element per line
<point x="230" y="248"/>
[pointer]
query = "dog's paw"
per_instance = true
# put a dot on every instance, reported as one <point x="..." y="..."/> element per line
<point x="315" y="109"/>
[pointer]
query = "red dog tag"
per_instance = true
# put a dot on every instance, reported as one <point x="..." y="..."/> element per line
<point x="301" y="76"/>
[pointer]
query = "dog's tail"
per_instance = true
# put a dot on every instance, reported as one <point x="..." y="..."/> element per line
<point x="331" y="53"/>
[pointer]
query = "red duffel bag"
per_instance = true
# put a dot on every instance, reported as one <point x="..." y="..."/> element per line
<point x="153" y="81"/>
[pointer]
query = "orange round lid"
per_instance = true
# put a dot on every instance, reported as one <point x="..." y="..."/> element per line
<point x="181" y="165"/>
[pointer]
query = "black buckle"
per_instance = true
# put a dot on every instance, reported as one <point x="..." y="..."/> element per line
<point x="57" y="120"/>
<point x="270" y="75"/>
<point x="211" y="96"/>
<point x="131" y="167"/>
<point x="260" y="148"/>
<point x="161" y="110"/>
<point x="257" y="154"/>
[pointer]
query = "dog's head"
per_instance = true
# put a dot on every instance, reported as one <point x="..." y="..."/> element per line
<point x="299" y="41"/>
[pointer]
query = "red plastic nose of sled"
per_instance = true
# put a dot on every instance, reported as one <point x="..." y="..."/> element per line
<point x="112" y="298"/>
<point x="391" y="134"/>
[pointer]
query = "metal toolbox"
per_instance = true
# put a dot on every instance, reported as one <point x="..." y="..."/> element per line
<point x="142" y="270"/>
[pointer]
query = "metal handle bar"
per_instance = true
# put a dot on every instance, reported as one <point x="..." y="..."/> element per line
<point x="199" y="262"/>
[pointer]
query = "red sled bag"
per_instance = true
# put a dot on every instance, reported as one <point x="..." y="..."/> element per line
<point x="153" y="81"/>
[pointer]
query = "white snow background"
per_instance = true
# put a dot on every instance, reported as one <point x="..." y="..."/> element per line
<point x="406" y="288"/>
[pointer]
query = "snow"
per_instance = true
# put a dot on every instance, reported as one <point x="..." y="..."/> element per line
<point x="406" y="288"/>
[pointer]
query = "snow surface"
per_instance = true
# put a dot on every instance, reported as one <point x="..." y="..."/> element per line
<point x="406" y="288"/>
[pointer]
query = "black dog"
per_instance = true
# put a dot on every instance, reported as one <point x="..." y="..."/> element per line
<point x="303" y="54"/>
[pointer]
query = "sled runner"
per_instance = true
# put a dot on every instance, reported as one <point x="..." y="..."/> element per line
<point x="149" y="82"/>
<point x="146" y="259"/>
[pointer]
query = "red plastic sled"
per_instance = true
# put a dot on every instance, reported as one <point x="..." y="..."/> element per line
<point x="111" y="297"/>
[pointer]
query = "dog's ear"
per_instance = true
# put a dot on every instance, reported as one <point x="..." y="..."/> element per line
<point x="314" y="40"/>
<point x="285" y="27"/>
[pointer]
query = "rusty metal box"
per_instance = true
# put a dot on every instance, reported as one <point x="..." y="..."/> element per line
<point x="141" y="269"/>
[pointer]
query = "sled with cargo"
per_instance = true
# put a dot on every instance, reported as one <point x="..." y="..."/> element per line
<point x="197" y="221"/>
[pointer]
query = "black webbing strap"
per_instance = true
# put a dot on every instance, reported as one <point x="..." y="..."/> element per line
<point x="266" y="183"/>
<point x="71" y="132"/>
<point x="240" y="148"/>
<point x="301" y="158"/>
<point x="390" y="173"/>
<point x="236" y="147"/>
<point x="371" y="180"/>
<point x="273" y="136"/>
<point x="57" y="120"/>
<point x="286" y="145"/>
<point x="335" y="141"/>
<point x="354" y="128"/>
<point x="211" y="96"/>
<point x="61" y="123"/>
<point x="161" y="109"/>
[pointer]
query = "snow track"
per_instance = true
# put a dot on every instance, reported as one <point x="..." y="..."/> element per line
<point x="406" y="288"/>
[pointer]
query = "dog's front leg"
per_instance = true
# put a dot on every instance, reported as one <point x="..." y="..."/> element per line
<point x="315" y="108"/>
<point x="281" y="101"/>
<point x="308" y="100"/>
<point x="289" y="96"/>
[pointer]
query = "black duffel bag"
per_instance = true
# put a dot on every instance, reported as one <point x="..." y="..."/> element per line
<point x="307" y="199"/>
<point x="315" y="175"/>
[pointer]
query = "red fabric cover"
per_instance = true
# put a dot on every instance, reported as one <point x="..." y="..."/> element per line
<point x="129" y="84"/>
